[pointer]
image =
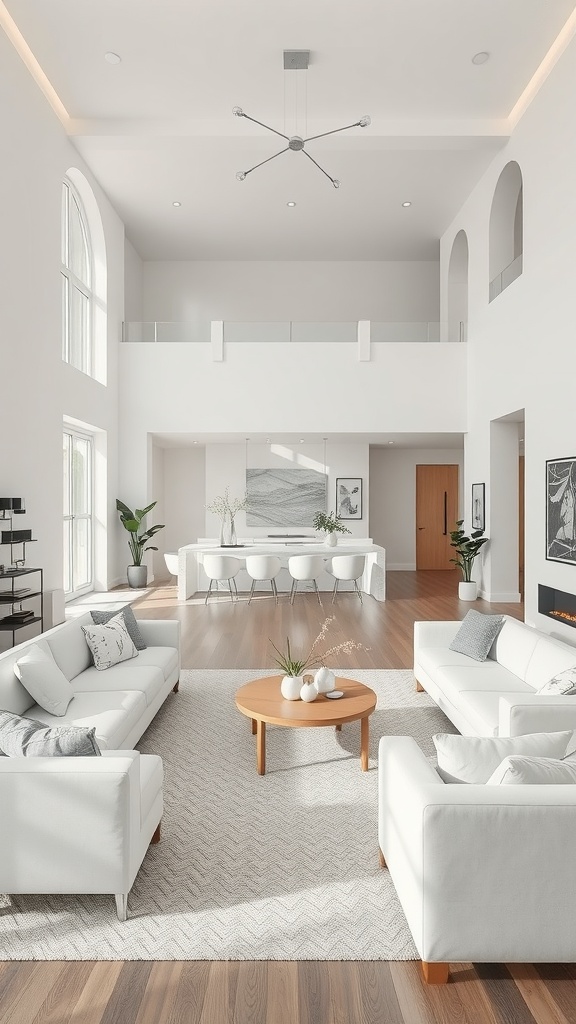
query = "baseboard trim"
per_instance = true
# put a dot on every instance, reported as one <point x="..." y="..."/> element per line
<point x="505" y="597"/>
<point x="401" y="567"/>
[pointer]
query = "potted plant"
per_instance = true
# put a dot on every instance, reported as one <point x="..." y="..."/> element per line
<point x="137" y="542"/>
<point x="227" y="507"/>
<point x="330" y="524"/>
<point x="466" y="549"/>
<point x="294" y="685"/>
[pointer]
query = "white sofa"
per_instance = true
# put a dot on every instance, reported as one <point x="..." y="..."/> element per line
<point x="484" y="873"/>
<point x="496" y="697"/>
<point x="83" y="824"/>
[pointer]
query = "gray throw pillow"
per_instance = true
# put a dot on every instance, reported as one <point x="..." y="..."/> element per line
<point x="25" y="737"/>
<point x="130" y="621"/>
<point x="477" y="634"/>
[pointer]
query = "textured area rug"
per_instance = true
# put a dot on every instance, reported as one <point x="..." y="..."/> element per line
<point x="276" y="867"/>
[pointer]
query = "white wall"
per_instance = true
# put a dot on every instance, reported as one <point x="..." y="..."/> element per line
<point x="200" y="291"/>
<point x="393" y="497"/>
<point x="184" y="499"/>
<point x="38" y="389"/>
<point x="521" y="346"/>
<point x="133" y="283"/>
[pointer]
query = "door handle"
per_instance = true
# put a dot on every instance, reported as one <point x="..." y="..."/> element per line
<point x="445" y="513"/>
<point x="421" y="527"/>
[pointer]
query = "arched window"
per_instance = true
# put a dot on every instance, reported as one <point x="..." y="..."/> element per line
<point x="458" y="289"/>
<point x="506" y="230"/>
<point x="77" y="283"/>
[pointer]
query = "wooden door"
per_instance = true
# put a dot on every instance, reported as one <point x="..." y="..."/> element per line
<point x="436" y="515"/>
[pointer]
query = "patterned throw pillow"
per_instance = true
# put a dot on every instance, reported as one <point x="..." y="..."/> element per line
<point x="130" y="621"/>
<point x="25" y="737"/>
<point x="562" y="683"/>
<point x="110" y="643"/>
<point x="477" y="634"/>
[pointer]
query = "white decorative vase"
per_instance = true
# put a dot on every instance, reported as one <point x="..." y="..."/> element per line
<point x="308" y="692"/>
<point x="325" y="680"/>
<point x="468" y="591"/>
<point x="290" y="687"/>
<point x="331" y="540"/>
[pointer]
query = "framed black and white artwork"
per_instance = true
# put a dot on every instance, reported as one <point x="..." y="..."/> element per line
<point x="560" y="510"/>
<point x="478" y="500"/>
<point x="349" y="497"/>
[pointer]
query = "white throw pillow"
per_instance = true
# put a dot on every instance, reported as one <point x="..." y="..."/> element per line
<point x="45" y="682"/>
<point x="473" y="759"/>
<point x="110" y="643"/>
<point x="563" y="683"/>
<point x="533" y="771"/>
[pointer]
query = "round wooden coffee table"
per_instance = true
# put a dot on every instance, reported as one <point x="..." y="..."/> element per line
<point x="262" y="702"/>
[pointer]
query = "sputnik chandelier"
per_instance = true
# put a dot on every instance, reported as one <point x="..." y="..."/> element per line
<point x="296" y="60"/>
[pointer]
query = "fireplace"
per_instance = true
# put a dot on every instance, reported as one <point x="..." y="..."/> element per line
<point x="557" y="604"/>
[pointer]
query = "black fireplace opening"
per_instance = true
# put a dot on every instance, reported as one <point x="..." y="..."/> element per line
<point x="557" y="604"/>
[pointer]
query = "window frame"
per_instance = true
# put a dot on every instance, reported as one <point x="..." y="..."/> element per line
<point x="72" y="516"/>
<point x="72" y="282"/>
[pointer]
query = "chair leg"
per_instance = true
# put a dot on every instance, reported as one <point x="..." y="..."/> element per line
<point x="335" y="591"/>
<point x="317" y="592"/>
<point x="235" y="587"/>
<point x="274" y="590"/>
<point x="358" y="591"/>
<point x="435" y="974"/>
<point x="208" y="592"/>
<point x="381" y="858"/>
<point x="122" y="905"/>
<point x="252" y="591"/>
<point x="419" y="687"/>
<point x="230" y="589"/>
<point x="293" y="590"/>
<point x="176" y="687"/>
<point x="156" y="837"/>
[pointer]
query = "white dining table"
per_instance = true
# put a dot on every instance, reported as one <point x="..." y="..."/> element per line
<point x="191" y="577"/>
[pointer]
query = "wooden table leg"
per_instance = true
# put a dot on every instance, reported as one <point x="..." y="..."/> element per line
<point x="253" y="726"/>
<point x="364" y="742"/>
<point x="339" y="727"/>
<point x="261" y="747"/>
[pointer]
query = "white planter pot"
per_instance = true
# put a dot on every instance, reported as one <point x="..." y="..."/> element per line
<point x="331" y="540"/>
<point x="308" y="692"/>
<point x="468" y="591"/>
<point x="137" y="576"/>
<point x="290" y="687"/>
<point x="325" y="680"/>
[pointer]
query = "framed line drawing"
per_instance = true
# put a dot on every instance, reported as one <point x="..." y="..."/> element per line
<point x="478" y="501"/>
<point x="349" y="497"/>
<point x="560" y="510"/>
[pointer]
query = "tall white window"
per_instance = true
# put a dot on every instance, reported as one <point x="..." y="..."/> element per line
<point x="78" y="465"/>
<point x="77" y="283"/>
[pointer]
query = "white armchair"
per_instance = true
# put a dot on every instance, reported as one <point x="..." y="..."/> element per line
<point x="483" y="873"/>
<point x="78" y="824"/>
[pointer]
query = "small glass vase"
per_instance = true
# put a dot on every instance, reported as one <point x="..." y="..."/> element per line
<point x="228" y="531"/>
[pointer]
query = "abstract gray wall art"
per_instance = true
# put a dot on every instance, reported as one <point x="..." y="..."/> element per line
<point x="284" y="497"/>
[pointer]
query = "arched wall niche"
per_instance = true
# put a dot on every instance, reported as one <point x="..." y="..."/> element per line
<point x="100" y="282"/>
<point x="506" y="229"/>
<point x="458" y="289"/>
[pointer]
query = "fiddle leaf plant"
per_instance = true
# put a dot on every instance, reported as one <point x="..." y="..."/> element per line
<point x="132" y="521"/>
<point x="466" y="548"/>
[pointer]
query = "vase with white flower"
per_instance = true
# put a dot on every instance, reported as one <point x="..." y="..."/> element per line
<point x="226" y="508"/>
<point x="293" y="685"/>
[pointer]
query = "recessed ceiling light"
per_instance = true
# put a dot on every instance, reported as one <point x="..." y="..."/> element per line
<point x="112" y="58"/>
<point x="390" y="442"/>
<point x="406" y="204"/>
<point x="481" y="58"/>
<point x="301" y="440"/>
<point x="176" y="203"/>
<point x="291" y="203"/>
<point x="194" y="442"/>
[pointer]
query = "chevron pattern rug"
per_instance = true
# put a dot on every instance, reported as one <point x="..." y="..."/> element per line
<point x="276" y="867"/>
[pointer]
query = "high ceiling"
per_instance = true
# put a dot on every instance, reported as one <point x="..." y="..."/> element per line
<point x="158" y="127"/>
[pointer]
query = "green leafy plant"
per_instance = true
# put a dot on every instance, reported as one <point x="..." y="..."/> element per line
<point x="132" y="521"/>
<point x="291" y="666"/>
<point x="328" y="522"/>
<point x="466" y="548"/>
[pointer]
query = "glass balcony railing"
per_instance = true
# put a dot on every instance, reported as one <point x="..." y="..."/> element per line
<point x="275" y="332"/>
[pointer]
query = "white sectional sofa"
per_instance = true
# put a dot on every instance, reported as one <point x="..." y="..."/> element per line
<point x="496" y="697"/>
<point x="83" y="824"/>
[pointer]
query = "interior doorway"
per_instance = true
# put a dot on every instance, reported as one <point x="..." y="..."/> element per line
<point x="436" y="515"/>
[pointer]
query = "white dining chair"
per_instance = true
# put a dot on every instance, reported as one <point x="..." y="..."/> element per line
<point x="219" y="568"/>
<point x="263" y="568"/>
<point x="305" y="568"/>
<point x="349" y="568"/>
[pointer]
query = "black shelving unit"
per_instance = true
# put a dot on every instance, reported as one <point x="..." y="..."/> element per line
<point x="14" y="598"/>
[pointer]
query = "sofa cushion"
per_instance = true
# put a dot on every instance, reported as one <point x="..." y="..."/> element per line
<point x="482" y="708"/>
<point x="486" y="675"/>
<point x="69" y="647"/>
<point x="128" y="675"/>
<point x="473" y="759"/>
<point x="25" y="737"/>
<point x="533" y="771"/>
<point x="110" y="643"/>
<point x="477" y="634"/>
<point x="562" y="684"/>
<point x="13" y="696"/>
<point x="548" y="659"/>
<point x="114" y="714"/>
<point x="514" y="646"/>
<point x="45" y="682"/>
<point x="101" y="617"/>
<point x="164" y="658"/>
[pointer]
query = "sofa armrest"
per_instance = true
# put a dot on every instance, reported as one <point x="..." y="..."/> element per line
<point x="71" y="823"/>
<point x="161" y="632"/>
<point x="435" y="634"/>
<point x="534" y="712"/>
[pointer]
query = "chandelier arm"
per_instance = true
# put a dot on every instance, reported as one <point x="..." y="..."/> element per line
<point x="267" y="126"/>
<point x="268" y="159"/>
<point x="318" y="166"/>
<point x="357" y="124"/>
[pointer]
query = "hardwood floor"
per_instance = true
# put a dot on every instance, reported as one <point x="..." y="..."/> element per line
<point x="237" y="636"/>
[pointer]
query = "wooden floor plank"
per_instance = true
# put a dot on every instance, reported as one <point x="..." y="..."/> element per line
<point x="190" y="994"/>
<point x="27" y="991"/>
<point x="282" y="992"/>
<point x="94" y="998"/>
<point x="504" y="997"/>
<point x="160" y="992"/>
<point x="537" y="997"/>
<point x="62" y="997"/>
<point x="127" y="994"/>
<point x="251" y="992"/>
